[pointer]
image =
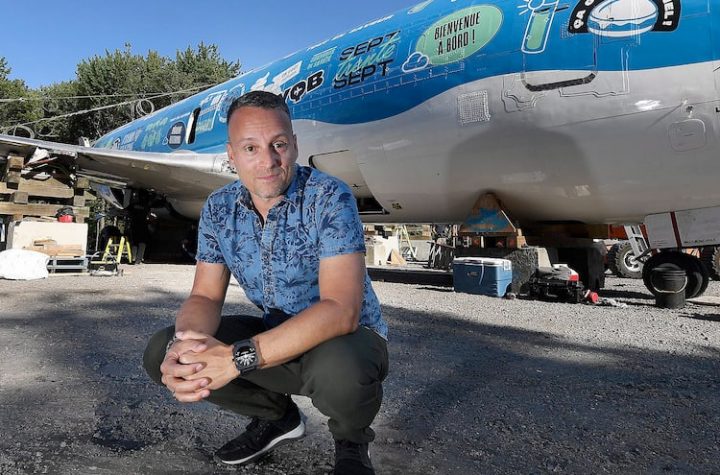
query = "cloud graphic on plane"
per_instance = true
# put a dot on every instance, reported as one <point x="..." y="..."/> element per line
<point x="416" y="62"/>
<point x="231" y="95"/>
<point x="419" y="7"/>
<point x="260" y="83"/>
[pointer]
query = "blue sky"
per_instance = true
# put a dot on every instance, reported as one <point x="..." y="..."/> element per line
<point x="44" y="40"/>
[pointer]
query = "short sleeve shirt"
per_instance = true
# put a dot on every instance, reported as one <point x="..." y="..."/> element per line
<point x="278" y="263"/>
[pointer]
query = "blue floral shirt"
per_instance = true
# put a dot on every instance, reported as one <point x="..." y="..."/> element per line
<point x="278" y="264"/>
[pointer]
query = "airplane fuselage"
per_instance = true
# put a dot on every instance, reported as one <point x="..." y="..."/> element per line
<point x="593" y="111"/>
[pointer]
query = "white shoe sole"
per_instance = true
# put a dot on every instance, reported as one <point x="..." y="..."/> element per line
<point x="294" y="434"/>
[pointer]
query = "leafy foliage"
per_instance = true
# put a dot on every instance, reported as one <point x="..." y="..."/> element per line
<point x="117" y="87"/>
<point x="18" y="104"/>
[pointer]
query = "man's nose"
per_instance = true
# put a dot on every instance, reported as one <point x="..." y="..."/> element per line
<point x="269" y="157"/>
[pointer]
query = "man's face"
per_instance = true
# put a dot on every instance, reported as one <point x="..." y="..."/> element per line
<point x="263" y="149"/>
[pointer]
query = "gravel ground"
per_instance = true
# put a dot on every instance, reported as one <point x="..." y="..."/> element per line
<point x="477" y="384"/>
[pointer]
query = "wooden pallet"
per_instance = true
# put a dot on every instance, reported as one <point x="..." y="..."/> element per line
<point x="22" y="196"/>
<point x="67" y="264"/>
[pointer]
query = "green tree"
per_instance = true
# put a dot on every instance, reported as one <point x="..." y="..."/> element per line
<point x="58" y="100"/>
<point x="109" y="91"/>
<point x="108" y="80"/>
<point x="122" y="76"/>
<point x="18" y="104"/>
<point x="204" y="66"/>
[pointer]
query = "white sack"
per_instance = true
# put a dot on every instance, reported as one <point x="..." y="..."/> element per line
<point x="19" y="264"/>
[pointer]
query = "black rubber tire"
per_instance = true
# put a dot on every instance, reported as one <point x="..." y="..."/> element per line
<point x="710" y="256"/>
<point x="610" y="261"/>
<point x="697" y="273"/>
<point x="618" y="261"/>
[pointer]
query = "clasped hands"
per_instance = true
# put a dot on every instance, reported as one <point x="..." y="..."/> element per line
<point x="195" y="365"/>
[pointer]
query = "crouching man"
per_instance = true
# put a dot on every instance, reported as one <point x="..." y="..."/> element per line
<point x="292" y="238"/>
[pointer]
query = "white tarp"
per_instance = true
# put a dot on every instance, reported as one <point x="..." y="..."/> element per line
<point x="19" y="264"/>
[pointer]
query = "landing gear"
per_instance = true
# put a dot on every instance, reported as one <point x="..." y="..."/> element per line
<point x="622" y="262"/>
<point x="697" y="274"/>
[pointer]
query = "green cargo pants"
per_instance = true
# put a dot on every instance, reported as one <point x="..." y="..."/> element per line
<point x="343" y="378"/>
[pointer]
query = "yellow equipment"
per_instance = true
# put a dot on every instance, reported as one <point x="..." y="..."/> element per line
<point x="116" y="251"/>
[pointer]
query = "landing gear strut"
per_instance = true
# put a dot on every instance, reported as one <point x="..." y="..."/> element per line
<point x="698" y="276"/>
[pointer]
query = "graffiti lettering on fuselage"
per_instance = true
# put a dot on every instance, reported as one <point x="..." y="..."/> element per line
<point x="276" y="86"/>
<point x="153" y="134"/>
<point x="209" y="108"/>
<point x="288" y="74"/>
<point x="367" y="59"/>
<point x="298" y="90"/>
<point x="231" y="95"/>
<point x="322" y="58"/>
<point x="460" y="35"/>
<point x="622" y="18"/>
<point x="372" y="23"/>
<point x="128" y="140"/>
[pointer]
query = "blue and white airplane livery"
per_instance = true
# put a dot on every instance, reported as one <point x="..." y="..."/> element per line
<point x="581" y="111"/>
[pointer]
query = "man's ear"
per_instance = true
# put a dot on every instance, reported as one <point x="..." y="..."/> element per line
<point x="229" y="149"/>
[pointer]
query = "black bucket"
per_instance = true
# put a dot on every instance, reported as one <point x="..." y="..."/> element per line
<point x="669" y="285"/>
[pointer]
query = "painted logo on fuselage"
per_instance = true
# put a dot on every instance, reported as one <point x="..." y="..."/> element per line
<point x="298" y="90"/>
<point x="366" y="60"/>
<point x="460" y="35"/>
<point x="231" y="95"/>
<point x="622" y="18"/>
<point x="542" y="13"/>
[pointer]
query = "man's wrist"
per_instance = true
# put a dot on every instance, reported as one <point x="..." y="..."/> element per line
<point x="172" y="341"/>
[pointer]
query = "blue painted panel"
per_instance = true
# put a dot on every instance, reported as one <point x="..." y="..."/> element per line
<point x="392" y="65"/>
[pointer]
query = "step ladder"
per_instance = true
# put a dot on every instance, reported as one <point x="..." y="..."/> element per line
<point x="407" y="250"/>
<point x="114" y="252"/>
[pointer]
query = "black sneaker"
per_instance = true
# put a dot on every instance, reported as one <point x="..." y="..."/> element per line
<point x="352" y="459"/>
<point x="261" y="436"/>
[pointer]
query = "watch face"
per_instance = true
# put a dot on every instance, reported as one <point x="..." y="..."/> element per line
<point x="244" y="356"/>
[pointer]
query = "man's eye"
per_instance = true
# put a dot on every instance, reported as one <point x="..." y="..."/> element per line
<point x="249" y="148"/>
<point x="280" y="145"/>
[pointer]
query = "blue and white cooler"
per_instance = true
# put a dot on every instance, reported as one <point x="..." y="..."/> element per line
<point x="482" y="275"/>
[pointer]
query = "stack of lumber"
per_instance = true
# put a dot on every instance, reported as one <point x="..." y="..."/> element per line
<point x="41" y="188"/>
<point x="52" y="248"/>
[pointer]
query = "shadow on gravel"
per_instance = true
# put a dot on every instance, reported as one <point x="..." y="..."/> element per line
<point x="92" y="403"/>
<point x="438" y="289"/>
<point x="462" y="397"/>
<point x="706" y="318"/>
<point x="625" y="294"/>
<point x="467" y="397"/>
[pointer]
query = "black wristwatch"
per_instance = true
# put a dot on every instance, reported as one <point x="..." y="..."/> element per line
<point x="245" y="356"/>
